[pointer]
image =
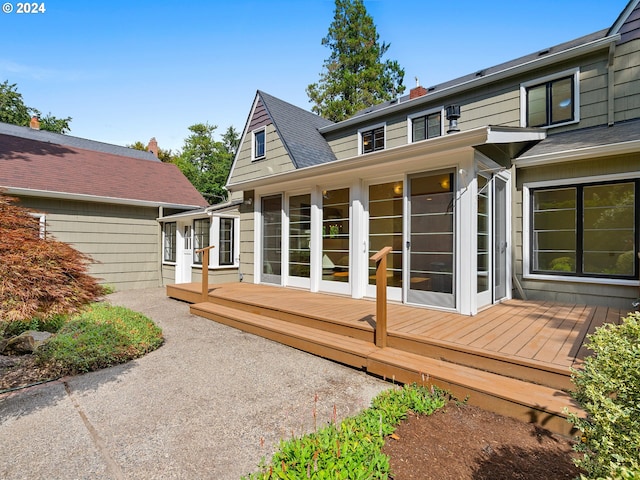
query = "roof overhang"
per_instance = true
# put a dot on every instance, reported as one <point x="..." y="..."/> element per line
<point x="577" y="154"/>
<point x="28" y="192"/>
<point x="478" y="82"/>
<point x="495" y="142"/>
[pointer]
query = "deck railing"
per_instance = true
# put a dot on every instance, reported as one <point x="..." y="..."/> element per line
<point x="381" y="296"/>
<point x="205" y="271"/>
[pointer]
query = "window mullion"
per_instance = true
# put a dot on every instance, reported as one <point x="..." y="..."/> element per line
<point x="579" y="230"/>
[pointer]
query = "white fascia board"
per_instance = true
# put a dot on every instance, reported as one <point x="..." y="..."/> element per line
<point x="504" y="135"/>
<point x="28" y="192"/>
<point x="468" y="138"/>
<point x="536" y="64"/>
<point x="587" y="153"/>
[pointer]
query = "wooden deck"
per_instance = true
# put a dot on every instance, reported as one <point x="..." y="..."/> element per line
<point x="514" y="358"/>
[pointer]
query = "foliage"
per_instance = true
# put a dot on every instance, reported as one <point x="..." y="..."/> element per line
<point x="354" y="76"/>
<point x="48" y="324"/>
<point x="608" y="389"/>
<point x="352" y="450"/>
<point x="99" y="336"/>
<point x="14" y="111"/>
<point x="207" y="162"/>
<point x="39" y="277"/>
<point x="165" y="156"/>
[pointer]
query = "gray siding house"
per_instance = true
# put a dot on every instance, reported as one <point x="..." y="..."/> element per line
<point x="102" y="199"/>
<point x="519" y="180"/>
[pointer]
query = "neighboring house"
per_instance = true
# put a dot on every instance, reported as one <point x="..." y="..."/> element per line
<point x="102" y="199"/>
<point x="520" y="179"/>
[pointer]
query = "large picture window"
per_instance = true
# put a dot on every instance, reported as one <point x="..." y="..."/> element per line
<point x="588" y="230"/>
<point x="169" y="242"/>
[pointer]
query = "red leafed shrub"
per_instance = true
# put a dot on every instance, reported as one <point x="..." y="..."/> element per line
<point x="39" y="277"/>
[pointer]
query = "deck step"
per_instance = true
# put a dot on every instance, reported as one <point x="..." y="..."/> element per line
<point x="348" y="350"/>
<point x="528" y="402"/>
<point x="539" y="404"/>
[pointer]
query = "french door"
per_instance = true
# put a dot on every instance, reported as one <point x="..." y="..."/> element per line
<point x="431" y="245"/>
<point x="271" y="271"/>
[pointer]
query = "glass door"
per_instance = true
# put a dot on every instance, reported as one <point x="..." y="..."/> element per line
<point x="300" y="240"/>
<point x="484" y="239"/>
<point x="336" y="240"/>
<point x="272" y="239"/>
<point x="500" y="240"/>
<point x="385" y="230"/>
<point x="431" y="244"/>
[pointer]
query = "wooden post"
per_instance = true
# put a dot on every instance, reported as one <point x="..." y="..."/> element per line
<point x="205" y="271"/>
<point x="381" y="296"/>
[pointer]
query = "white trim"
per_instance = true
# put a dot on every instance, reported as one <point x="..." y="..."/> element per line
<point x="572" y="72"/>
<point x="424" y="113"/>
<point x="588" y="153"/>
<point x="262" y="129"/>
<point x="175" y="246"/>
<point x="42" y="219"/>
<point x="526" y="230"/>
<point x="370" y="128"/>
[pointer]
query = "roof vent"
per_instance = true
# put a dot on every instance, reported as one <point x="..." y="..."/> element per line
<point x="543" y="52"/>
<point x="480" y="73"/>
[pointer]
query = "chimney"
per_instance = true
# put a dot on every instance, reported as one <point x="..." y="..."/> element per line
<point x="418" y="91"/>
<point x="153" y="146"/>
<point x="34" y="123"/>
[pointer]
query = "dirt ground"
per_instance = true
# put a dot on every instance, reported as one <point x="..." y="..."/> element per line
<point x="463" y="442"/>
<point x="459" y="442"/>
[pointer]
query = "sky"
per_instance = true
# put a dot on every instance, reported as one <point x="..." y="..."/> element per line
<point x="126" y="71"/>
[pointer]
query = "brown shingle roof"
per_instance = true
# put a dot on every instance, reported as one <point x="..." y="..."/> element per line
<point x="36" y="165"/>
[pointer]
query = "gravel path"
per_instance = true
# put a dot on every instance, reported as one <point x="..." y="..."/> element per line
<point x="209" y="404"/>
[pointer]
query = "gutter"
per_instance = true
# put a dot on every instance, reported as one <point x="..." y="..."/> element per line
<point x="587" y="153"/>
<point x="28" y="192"/>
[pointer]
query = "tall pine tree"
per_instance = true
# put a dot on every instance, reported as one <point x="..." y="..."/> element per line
<point x="354" y="76"/>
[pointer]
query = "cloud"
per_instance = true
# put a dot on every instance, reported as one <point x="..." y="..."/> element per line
<point x="9" y="68"/>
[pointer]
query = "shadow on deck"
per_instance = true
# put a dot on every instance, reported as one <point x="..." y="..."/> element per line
<point x="514" y="358"/>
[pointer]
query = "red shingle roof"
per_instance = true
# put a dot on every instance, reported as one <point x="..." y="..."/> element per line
<point x="35" y="165"/>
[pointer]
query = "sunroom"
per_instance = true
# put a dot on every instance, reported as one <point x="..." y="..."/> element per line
<point x="442" y="204"/>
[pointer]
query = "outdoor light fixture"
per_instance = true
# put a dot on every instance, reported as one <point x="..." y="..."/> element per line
<point x="453" y="114"/>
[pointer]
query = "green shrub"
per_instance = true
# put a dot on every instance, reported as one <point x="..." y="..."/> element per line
<point x="608" y="389"/>
<point x="49" y="324"/>
<point x="100" y="336"/>
<point x="354" y="449"/>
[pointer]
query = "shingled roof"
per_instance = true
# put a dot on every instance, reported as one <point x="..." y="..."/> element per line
<point x="298" y="130"/>
<point x="41" y="166"/>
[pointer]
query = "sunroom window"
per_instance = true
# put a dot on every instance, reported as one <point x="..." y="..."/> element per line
<point x="169" y="242"/>
<point x="226" y="241"/>
<point x="585" y="230"/>
<point x="200" y="238"/>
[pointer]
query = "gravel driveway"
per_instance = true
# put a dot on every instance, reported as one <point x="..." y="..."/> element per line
<point x="209" y="404"/>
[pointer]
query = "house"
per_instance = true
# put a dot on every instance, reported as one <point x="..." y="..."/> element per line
<point x="102" y="199"/>
<point x="521" y="180"/>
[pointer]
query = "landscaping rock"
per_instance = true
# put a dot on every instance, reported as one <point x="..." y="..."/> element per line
<point x="26" y="342"/>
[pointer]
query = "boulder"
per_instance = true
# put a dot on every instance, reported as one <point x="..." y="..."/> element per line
<point x="26" y="342"/>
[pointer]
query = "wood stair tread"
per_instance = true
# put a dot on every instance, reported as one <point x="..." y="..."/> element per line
<point x="525" y="393"/>
<point x="321" y="337"/>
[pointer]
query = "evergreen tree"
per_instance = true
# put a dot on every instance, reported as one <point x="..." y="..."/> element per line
<point x="354" y="75"/>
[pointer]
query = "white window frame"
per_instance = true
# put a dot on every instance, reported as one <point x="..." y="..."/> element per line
<point x="424" y="113"/>
<point x="214" y="239"/>
<point x="175" y="246"/>
<point x="254" y="144"/>
<point x="526" y="228"/>
<point x="573" y="72"/>
<point x="369" y="128"/>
